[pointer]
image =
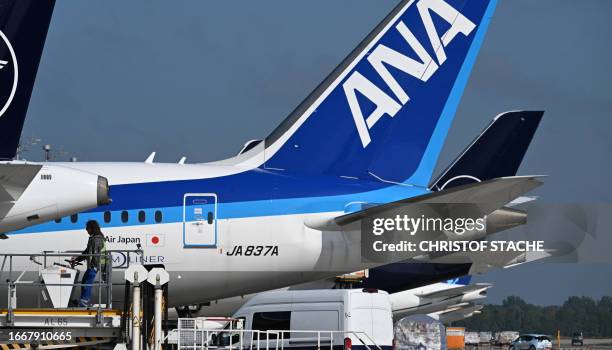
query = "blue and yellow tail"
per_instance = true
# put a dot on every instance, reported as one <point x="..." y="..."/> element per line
<point x="384" y="113"/>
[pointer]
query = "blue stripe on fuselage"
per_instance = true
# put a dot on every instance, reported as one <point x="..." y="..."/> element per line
<point x="250" y="186"/>
<point x="250" y="194"/>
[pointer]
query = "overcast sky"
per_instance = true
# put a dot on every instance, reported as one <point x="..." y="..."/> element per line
<point x="119" y="80"/>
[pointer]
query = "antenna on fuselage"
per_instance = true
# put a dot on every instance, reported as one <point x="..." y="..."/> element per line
<point x="182" y="161"/>
<point x="150" y="158"/>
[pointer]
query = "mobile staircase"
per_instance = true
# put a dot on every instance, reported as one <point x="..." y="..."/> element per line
<point x="53" y="321"/>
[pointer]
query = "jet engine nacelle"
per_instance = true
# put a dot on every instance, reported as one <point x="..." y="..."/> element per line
<point x="36" y="193"/>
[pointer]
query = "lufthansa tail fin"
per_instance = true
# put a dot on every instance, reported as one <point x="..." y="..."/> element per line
<point x="23" y="29"/>
<point x="496" y="152"/>
<point x="384" y="113"/>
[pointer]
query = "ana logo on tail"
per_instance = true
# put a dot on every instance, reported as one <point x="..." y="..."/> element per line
<point x="422" y="70"/>
<point x="8" y="77"/>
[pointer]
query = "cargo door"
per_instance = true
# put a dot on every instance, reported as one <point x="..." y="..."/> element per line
<point x="200" y="220"/>
<point x="371" y="313"/>
<point x="382" y="319"/>
<point x="360" y="317"/>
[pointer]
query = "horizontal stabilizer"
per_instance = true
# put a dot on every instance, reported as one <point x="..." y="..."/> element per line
<point x="457" y="314"/>
<point x="522" y="200"/>
<point x="453" y="292"/>
<point x="487" y="196"/>
<point x="14" y="179"/>
<point x="485" y="261"/>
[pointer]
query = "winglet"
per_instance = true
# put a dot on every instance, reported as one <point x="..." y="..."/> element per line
<point x="150" y="158"/>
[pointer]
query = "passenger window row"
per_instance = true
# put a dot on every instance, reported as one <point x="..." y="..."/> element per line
<point x="125" y="217"/>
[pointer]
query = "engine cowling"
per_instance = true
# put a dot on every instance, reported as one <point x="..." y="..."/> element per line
<point x="53" y="192"/>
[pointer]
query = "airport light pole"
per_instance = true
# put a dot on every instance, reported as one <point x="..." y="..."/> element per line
<point x="47" y="149"/>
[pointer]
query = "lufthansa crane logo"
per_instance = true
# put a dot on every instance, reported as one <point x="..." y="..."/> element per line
<point x="9" y="73"/>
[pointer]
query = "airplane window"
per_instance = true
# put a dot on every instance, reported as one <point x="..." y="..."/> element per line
<point x="74" y="218"/>
<point x="158" y="216"/>
<point x="210" y="217"/>
<point x="142" y="216"/>
<point x="58" y="220"/>
<point x="107" y="216"/>
<point x="124" y="216"/>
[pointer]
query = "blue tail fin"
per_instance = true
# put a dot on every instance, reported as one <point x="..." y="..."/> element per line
<point x="386" y="110"/>
<point x="461" y="281"/>
<point x="23" y="29"/>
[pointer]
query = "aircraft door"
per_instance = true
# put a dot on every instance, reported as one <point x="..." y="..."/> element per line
<point x="200" y="220"/>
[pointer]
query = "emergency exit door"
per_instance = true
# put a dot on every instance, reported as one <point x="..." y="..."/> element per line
<point x="200" y="220"/>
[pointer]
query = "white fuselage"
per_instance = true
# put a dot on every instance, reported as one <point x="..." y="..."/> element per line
<point x="244" y="253"/>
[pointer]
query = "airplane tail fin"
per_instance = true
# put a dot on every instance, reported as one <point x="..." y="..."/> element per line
<point x="23" y="30"/>
<point x="384" y="113"/>
<point x="496" y="152"/>
<point x="461" y="281"/>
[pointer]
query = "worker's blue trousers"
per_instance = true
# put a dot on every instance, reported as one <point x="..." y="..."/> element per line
<point x="88" y="278"/>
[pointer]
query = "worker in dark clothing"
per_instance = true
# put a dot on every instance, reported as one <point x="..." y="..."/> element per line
<point x="95" y="245"/>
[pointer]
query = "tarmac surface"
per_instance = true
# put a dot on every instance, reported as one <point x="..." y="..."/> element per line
<point x="566" y="344"/>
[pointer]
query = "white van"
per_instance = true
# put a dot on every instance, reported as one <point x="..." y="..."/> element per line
<point x="336" y="318"/>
